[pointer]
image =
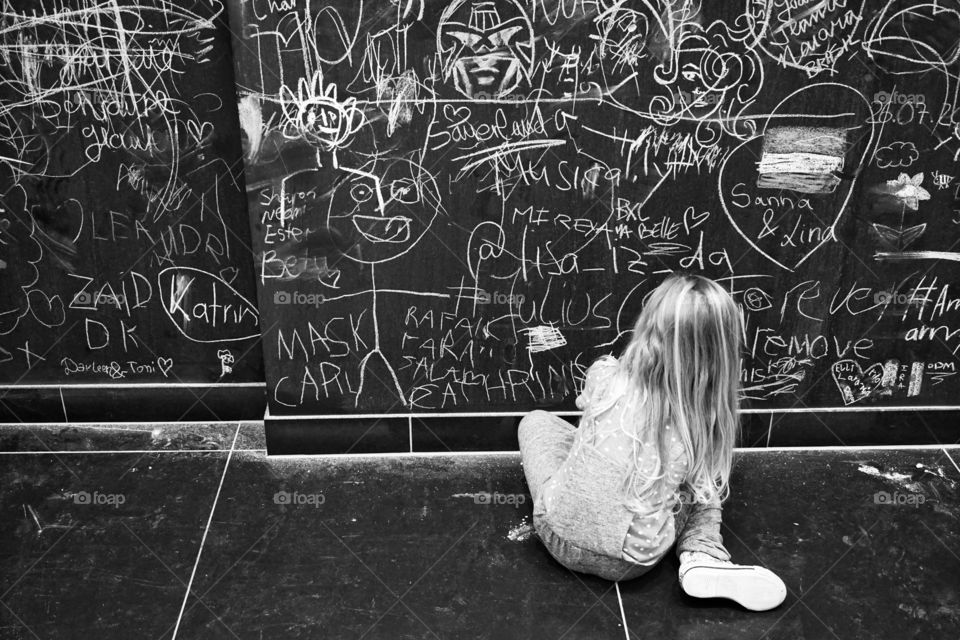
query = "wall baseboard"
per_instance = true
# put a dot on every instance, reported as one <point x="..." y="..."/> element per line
<point x="132" y="403"/>
<point x="315" y="435"/>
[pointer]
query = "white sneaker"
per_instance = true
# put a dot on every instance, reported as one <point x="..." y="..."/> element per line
<point x="754" y="588"/>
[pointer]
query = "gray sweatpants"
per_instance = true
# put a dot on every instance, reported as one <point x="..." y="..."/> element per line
<point x="545" y="443"/>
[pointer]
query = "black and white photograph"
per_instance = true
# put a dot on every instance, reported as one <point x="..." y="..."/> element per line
<point x="480" y="319"/>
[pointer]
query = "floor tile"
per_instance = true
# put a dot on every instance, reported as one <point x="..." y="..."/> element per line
<point x="100" y="545"/>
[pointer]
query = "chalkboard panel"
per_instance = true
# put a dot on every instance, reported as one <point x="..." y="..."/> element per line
<point x="459" y="204"/>
<point x="124" y="243"/>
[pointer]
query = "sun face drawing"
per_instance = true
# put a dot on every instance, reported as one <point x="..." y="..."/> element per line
<point x="486" y="47"/>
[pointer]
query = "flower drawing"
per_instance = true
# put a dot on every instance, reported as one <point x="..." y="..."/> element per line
<point x="909" y="190"/>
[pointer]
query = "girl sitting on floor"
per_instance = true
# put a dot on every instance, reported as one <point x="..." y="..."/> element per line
<point x="650" y="462"/>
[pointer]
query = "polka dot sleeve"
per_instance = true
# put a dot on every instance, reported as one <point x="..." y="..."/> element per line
<point x="593" y="380"/>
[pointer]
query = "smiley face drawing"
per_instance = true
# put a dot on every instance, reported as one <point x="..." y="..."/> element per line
<point x="383" y="209"/>
<point x="486" y="47"/>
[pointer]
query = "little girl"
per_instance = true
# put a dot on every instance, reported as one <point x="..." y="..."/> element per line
<point x="650" y="462"/>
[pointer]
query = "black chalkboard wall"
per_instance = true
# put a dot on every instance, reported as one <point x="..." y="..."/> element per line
<point x="458" y="205"/>
<point x="125" y="269"/>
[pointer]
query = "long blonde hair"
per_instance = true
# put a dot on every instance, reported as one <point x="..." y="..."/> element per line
<point x="681" y="369"/>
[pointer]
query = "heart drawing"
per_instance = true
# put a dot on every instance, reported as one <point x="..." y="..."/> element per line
<point x="165" y="364"/>
<point x="854" y="383"/>
<point x="782" y="192"/>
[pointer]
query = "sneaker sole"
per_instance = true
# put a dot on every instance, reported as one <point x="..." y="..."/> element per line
<point x="754" y="588"/>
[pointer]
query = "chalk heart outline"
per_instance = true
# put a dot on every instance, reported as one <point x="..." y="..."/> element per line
<point x="229" y="274"/>
<point x="164" y="364"/>
<point x="199" y="130"/>
<point x="47" y="310"/>
<point x="830" y="235"/>
<point x="859" y="376"/>
<point x="694" y="219"/>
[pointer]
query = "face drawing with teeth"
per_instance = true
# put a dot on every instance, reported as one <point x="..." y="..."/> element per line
<point x="486" y="47"/>
<point x="382" y="209"/>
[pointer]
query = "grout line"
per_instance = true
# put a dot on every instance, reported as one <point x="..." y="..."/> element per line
<point x="835" y="447"/>
<point x="87" y="427"/>
<point x="63" y="404"/>
<point x="437" y="454"/>
<point x="947" y="453"/>
<point x="135" y="385"/>
<point x="206" y="530"/>
<point x="121" y="425"/>
<point x="502" y="414"/>
<point x="515" y="452"/>
<point x="116" y="451"/>
<point x="395" y="454"/>
<point x="429" y="416"/>
<point x="623" y="615"/>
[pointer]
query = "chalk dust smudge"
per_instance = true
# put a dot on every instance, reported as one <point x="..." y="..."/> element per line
<point x="521" y="532"/>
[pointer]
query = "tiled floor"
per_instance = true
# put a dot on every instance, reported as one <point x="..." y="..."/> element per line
<point x="403" y="547"/>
